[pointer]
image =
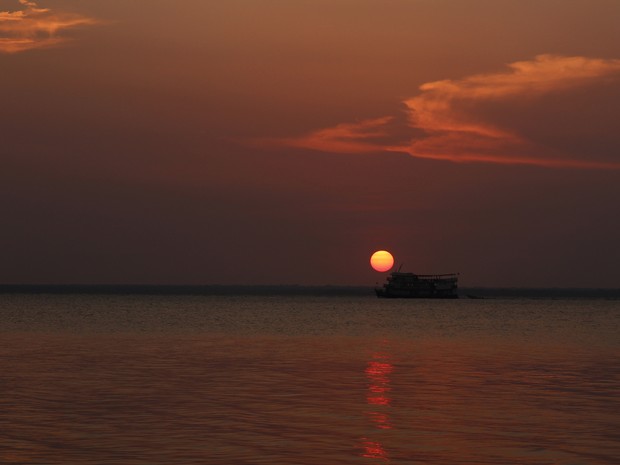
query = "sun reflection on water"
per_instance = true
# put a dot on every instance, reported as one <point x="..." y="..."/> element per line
<point x="374" y="450"/>
<point x="378" y="371"/>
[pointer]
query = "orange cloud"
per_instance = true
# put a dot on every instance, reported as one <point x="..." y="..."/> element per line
<point x="446" y="121"/>
<point x="446" y="112"/>
<point x="34" y="27"/>
<point x="360" y="137"/>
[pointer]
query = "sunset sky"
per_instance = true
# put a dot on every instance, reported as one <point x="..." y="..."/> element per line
<point x="283" y="142"/>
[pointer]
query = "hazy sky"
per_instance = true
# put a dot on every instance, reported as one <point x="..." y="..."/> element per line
<point x="279" y="141"/>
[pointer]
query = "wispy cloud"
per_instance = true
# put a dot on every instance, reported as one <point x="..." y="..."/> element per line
<point x="33" y="27"/>
<point x="360" y="137"/>
<point x="447" y="122"/>
<point x="447" y="111"/>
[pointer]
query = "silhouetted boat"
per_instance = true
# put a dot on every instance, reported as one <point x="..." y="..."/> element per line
<point x="420" y="286"/>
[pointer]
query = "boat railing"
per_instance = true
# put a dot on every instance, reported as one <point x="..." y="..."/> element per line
<point x="438" y="276"/>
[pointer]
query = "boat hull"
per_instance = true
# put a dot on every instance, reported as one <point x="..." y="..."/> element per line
<point x="410" y="294"/>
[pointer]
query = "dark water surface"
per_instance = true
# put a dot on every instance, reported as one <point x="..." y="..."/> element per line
<point x="105" y="379"/>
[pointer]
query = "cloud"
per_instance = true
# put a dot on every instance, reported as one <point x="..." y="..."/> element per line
<point x="361" y="137"/>
<point x="448" y="112"/>
<point x="465" y="120"/>
<point x="33" y="27"/>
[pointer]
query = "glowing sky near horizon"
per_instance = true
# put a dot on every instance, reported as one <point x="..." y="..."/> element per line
<point x="279" y="142"/>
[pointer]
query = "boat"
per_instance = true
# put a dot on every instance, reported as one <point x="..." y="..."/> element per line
<point x="420" y="286"/>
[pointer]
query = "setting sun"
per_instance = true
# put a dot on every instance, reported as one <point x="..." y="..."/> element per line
<point x="382" y="260"/>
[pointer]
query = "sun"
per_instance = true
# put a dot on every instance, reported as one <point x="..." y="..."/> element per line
<point x="382" y="260"/>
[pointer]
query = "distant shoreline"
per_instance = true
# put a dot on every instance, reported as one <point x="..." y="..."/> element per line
<point x="293" y="290"/>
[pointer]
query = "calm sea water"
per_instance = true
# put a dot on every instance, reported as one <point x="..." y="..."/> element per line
<point x="135" y="379"/>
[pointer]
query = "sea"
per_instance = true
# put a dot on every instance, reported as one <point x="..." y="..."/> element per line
<point x="307" y="376"/>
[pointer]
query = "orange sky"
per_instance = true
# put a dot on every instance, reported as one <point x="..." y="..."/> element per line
<point x="284" y="142"/>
